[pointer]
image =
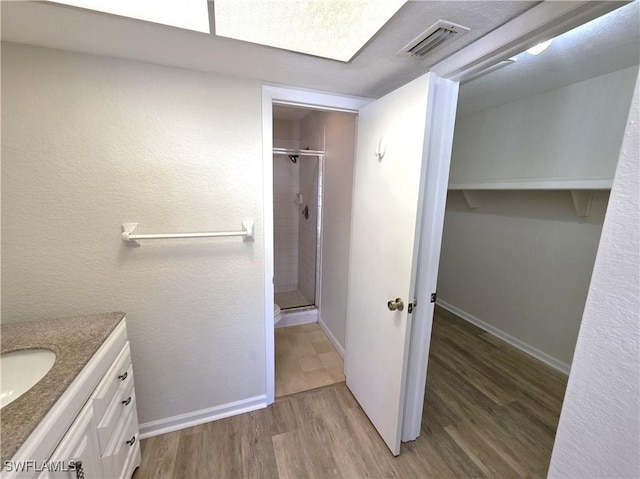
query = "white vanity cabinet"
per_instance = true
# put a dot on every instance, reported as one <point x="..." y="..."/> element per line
<point x="79" y="445"/>
<point x="114" y="405"/>
<point x="104" y="436"/>
<point x="92" y="430"/>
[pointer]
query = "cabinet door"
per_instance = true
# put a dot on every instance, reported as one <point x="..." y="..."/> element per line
<point x="80" y="447"/>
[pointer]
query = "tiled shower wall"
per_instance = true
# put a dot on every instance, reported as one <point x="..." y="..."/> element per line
<point x="295" y="237"/>
<point x="285" y="211"/>
<point x="285" y="220"/>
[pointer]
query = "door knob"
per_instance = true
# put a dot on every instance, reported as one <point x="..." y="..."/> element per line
<point x="398" y="304"/>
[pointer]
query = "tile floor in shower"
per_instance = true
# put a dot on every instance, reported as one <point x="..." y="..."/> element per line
<point x="305" y="359"/>
<point x="291" y="299"/>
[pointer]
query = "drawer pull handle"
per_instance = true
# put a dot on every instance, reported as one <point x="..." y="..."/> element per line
<point x="131" y="441"/>
<point x="127" y="401"/>
<point x="122" y="377"/>
<point x="79" y="470"/>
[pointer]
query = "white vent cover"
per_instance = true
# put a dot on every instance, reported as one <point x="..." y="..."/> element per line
<point x="436" y="36"/>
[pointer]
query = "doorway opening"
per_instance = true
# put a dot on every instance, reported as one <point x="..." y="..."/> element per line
<point x="310" y="188"/>
<point x="531" y="170"/>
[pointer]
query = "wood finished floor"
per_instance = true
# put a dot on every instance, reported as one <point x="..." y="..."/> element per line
<point x="305" y="359"/>
<point x="490" y="411"/>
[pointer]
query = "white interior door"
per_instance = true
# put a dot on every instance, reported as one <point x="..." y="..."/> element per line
<point x="387" y="204"/>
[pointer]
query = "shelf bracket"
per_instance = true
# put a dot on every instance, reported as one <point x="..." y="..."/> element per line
<point x="472" y="197"/>
<point x="582" y="200"/>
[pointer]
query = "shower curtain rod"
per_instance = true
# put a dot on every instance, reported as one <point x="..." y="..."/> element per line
<point x="290" y="151"/>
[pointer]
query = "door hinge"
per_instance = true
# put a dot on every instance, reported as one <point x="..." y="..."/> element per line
<point x="412" y="305"/>
<point x="433" y="297"/>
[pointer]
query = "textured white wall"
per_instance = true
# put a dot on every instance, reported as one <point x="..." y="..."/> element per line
<point x="339" y="135"/>
<point x="91" y="142"/>
<point x="521" y="262"/>
<point x="599" y="430"/>
<point x="571" y="132"/>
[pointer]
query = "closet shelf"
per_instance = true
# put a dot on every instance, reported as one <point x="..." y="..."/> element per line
<point x="538" y="184"/>
<point x="581" y="190"/>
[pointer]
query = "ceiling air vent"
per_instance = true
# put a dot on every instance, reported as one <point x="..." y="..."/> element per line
<point x="436" y="36"/>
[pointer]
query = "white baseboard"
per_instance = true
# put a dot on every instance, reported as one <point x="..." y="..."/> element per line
<point x="522" y="346"/>
<point x="331" y="337"/>
<point x="183" y="421"/>
<point x="295" y="318"/>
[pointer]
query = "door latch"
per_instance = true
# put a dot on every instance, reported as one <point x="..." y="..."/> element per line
<point x="412" y="305"/>
<point x="433" y="297"/>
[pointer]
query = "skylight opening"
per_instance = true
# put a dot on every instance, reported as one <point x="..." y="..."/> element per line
<point x="186" y="14"/>
<point x="334" y="29"/>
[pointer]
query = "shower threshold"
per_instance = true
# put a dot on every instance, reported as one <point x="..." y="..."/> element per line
<point x="297" y="316"/>
<point x="292" y="300"/>
<point x="294" y="309"/>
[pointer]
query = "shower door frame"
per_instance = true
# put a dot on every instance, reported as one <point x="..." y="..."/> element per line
<point x="318" y="229"/>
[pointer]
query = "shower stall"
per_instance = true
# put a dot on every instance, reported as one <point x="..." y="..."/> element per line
<point x="297" y="189"/>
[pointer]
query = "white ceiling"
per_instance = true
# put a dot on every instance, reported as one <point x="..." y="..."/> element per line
<point x="594" y="49"/>
<point x="604" y="45"/>
<point x="375" y="71"/>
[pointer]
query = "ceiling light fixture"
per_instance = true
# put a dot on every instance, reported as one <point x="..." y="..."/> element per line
<point x="185" y="14"/>
<point x="540" y="47"/>
<point x="334" y="29"/>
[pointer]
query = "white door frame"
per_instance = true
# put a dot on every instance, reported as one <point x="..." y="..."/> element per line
<point x="295" y="97"/>
<point x="438" y="145"/>
<point x="438" y="140"/>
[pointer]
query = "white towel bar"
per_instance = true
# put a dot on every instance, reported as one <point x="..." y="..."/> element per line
<point x="128" y="236"/>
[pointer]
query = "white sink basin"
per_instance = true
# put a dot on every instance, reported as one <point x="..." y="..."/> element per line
<point x="21" y="370"/>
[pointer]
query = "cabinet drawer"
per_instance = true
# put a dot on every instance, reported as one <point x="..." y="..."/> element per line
<point x="117" y="375"/>
<point x="124" y="449"/>
<point x="119" y="407"/>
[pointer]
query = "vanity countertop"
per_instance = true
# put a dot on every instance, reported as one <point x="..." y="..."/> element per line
<point x="74" y="340"/>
